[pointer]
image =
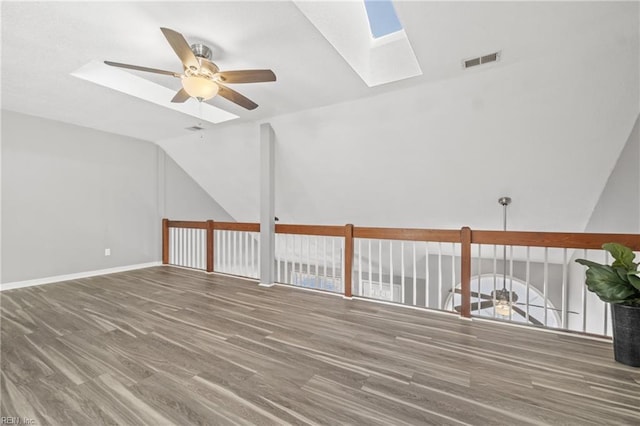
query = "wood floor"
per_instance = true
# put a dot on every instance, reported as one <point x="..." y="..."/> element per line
<point x="171" y="346"/>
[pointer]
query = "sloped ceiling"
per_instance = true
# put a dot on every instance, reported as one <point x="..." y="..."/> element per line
<point x="544" y="125"/>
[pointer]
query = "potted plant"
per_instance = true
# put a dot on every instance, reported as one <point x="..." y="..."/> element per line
<point x="619" y="285"/>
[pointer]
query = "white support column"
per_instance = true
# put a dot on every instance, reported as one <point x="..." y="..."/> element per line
<point x="161" y="191"/>
<point x="267" y="205"/>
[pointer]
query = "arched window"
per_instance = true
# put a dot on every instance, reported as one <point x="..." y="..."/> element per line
<point x="489" y="298"/>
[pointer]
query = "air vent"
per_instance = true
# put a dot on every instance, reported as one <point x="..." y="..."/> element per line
<point x="489" y="58"/>
<point x="481" y="60"/>
<point x="195" y="128"/>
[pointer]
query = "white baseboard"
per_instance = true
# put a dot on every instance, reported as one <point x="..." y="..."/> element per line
<point x="87" y="274"/>
<point x="266" y="285"/>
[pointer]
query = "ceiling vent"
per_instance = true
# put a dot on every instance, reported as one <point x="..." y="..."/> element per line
<point x="195" y="128"/>
<point x="481" y="60"/>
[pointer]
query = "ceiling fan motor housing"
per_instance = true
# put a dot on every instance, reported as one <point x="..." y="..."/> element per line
<point x="504" y="295"/>
<point x="202" y="51"/>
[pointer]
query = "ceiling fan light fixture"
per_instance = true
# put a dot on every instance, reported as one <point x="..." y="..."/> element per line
<point x="503" y="301"/>
<point x="200" y="87"/>
<point x="503" y="309"/>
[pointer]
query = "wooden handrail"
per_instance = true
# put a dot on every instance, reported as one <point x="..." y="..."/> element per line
<point x="554" y="239"/>
<point x="222" y="226"/>
<point x="237" y="226"/>
<point x="186" y="224"/>
<point x="408" y="234"/>
<point x="515" y="238"/>
<point x="326" y="230"/>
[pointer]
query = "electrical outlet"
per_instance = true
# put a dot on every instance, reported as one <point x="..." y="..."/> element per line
<point x="107" y="252"/>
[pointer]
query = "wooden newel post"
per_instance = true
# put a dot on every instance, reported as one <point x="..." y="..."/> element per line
<point x="165" y="241"/>
<point x="348" y="259"/>
<point x="465" y="272"/>
<point x="210" y="245"/>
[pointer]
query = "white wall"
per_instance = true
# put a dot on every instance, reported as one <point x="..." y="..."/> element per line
<point x="184" y="199"/>
<point x="225" y="162"/>
<point x="617" y="211"/>
<point x="618" y="208"/>
<point x="70" y="192"/>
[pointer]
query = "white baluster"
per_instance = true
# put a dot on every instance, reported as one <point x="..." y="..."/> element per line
<point x="172" y="246"/>
<point x="379" y="269"/>
<point x="402" y="291"/>
<point x="182" y="246"/>
<point x="359" y="286"/>
<point x="495" y="273"/>
<point x="316" y="244"/>
<point x="333" y="260"/>
<point x="324" y="260"/>
<point x="479" y="287"/>
<point x="527" y="279"/>
<point x="545" y="287"/>
<point x="426" y="274"/>
<point x="308" y="261"/>
<point x="370" y="286"/>
<point x="584" y="301"/>
<point x="391" y="270"/>
<point x="415" y="277"/>
<point x="439" y="275"/>
<point x="453" y="270"/>
<point x="606" y="305"/>
<point x="511" y="301"/>
<point x="564" y="289"/>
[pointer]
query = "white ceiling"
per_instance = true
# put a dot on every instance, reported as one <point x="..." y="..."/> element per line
<point x="544" y="125"/>
<point x="43" y="42"/>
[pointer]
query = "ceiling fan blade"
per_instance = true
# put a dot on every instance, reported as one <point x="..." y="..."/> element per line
<point x="246" y="76"/>
<point x="551" y="309"/>
<point x="236" y="97"/>
<point x="474" y="294"/>
<point x="145" y="69"/>
<point x="181" y="96"/>
<point x="524" y="315"/>
<point x="182" y="49"/>
<point x="474" y="306"/>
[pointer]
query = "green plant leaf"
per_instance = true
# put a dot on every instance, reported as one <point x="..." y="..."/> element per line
<point x="623" y="255"/>
<point x="588" y="263"/>
<point x="622" y="273"/>
<point x="604" y="281"/>
<point x="634" y="279"/>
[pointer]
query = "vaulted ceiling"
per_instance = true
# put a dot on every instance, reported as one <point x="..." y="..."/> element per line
<point x="544" y="125"/>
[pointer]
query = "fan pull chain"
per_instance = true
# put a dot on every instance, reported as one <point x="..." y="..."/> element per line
<point x="200" y="123"/>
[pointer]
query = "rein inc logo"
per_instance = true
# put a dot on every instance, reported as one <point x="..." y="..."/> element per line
<point x="17" y="421"/>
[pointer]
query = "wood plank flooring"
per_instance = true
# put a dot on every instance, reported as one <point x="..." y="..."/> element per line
<point x="167" y="346"/>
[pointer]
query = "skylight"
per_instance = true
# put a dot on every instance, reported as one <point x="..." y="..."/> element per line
<point x="382" y="17"/>
<point x="347" y="25"/>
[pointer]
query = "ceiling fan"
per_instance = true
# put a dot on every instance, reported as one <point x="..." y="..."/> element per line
<point x="201" y="78"/>
<point x="502" y="301"/>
